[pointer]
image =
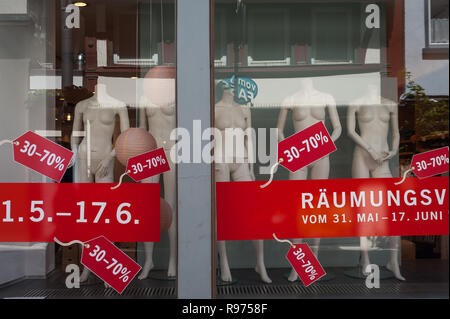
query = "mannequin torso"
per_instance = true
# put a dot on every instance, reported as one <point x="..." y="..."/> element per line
<point x="375" y="117"/>
<point x="230" y="115"/>
<point x="95" y="151"/>
<point x="161" y="121"/>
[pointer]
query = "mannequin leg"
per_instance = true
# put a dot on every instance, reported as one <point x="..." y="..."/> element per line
<point x="148" y="260"/>
<point x="108" y="178"/>
<point x="383" y="171"/>
<point x="225" y="272"/>
<point x="170" y="197"/>
<point x="148" y="246"/>
<point x="260" y="266"/>
<point x="319" y="170"/>
<point x="222" y="174"/>
<point x="301" y="174"/>
<point x="392" y="265"/>
<point x="365" y="261"/>
<point x="240" y="173"/>
<point x="361" y="170"/>
<point x="81" y="176"/>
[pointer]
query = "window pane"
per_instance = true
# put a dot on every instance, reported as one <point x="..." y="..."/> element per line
<point x="297" y="65"/>
<point x="439" y="21"/>
<point x="98" y="80"/>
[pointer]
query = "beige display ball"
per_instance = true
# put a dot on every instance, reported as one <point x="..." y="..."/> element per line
<point x="165" y="215"/>
<point x="133" y="142"/>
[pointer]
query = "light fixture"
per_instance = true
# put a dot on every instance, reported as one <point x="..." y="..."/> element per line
<point x="134" y="77"/>
<point x="80" y="4"/>
<point x="69" y="117"/>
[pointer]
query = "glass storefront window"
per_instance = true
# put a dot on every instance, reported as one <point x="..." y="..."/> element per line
<point x="98" y="78"/>
<point x="285" y="149"/>
<point x="283" y="66"/>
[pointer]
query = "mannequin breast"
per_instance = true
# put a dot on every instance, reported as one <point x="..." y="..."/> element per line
<point x="230" y="117"/>
<point x="101" y="129"/>
<point x="227" y="116"/>
<point x="308" y="109"/>
<point x="373" y="122"/>
<point x="161" y="122"/>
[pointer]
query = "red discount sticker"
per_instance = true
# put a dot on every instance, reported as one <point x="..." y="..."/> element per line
<point x="430" y="163"/>
<point x="42" y="155"/>
<point x="305" y="263"/>
<point x="305" y="147"/>
<point x="108" y="262"/>
<point x="148" y="164"/>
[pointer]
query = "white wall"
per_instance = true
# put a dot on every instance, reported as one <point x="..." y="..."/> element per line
<point x="432" y="75"/>
<point x="13" y="115"/>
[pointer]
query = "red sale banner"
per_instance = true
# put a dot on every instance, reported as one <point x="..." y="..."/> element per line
<point x="305" y="147"/>
<point x="332" y="208"/>
<point x="430" y="163"/>
<point x="148" y="164"/>
<point x="42" y="155"/>
<point x="305" y="263"/>
<point x="36" y="212"/>
<point x="109" y="263"/>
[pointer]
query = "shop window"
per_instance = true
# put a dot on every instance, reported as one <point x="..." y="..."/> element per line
<point x="436" y="29"/>
<point x="437" y="22"/>
<point x="98" y="80"/>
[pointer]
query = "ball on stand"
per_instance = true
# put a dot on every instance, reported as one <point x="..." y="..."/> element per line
<point x="133" y="142"/>
<point x="165" y="215"/>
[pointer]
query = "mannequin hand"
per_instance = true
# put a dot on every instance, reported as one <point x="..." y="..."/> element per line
<point x="73" y="159"/>
<point x="280" y="137"/>
<point x="103" y="167"/>
<point x="389" y="155"/>
<point x="377" y="157"/>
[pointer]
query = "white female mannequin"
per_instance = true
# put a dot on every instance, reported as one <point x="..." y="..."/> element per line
<point x="309" y="106"/>
<point x="371" y="156"/>
<point x="95" y="154"/>
<point x="228" y="115"/>
<point x="158" y="111"/>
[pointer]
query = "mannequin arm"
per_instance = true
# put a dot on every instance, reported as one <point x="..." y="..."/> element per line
<point x="395" y="134"/>
<point x="124" y="120"/>
<point x="142" y="118"/>
<point x="281" y="123"/>
<point x="102" y="168"/>
<point x="249" y="140"/>
<point x="75" y="140"/>
<point x="334" y="117"/>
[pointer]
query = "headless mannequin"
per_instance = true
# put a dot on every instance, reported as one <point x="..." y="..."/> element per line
<point x="229" y="114"/>
<point x="371" y="156"/>
<point x="158" y="110"/>
<point x="95" y="153"/>
<point x="309" y="106"/>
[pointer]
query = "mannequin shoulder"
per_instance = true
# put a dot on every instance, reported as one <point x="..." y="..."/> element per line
<point x="288" y="101"/>
<point x="389" y="104"/>
<point x="81" y="106"/>
<point x="246" y="110"/>
<point x="354" y="105"/>
<point x="329" y="99"/>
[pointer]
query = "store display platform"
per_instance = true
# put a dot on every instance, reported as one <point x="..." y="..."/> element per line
<point x="426" y="278"/>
